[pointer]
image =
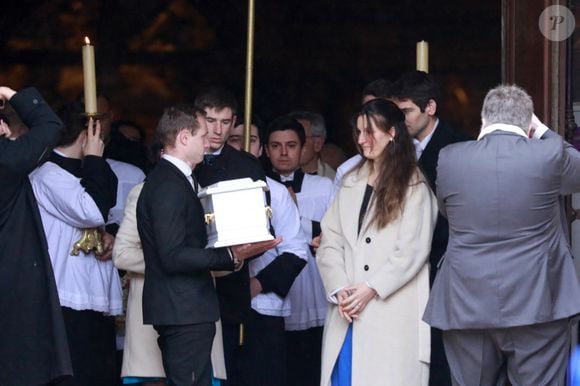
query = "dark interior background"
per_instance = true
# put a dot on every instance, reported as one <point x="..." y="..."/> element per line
<point x="315" y="54"/>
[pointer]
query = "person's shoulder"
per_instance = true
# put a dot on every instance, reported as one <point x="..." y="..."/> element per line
<point x="320" y="182"/>
<point x="275" y="186"/>
<point x="349" y="164"/>
<point x="460" y="147"/>
<point x="452" y="134"/>
<point x="243" y="156"/>
<point x="124" y="170"/>
<point x="48" y="170"/>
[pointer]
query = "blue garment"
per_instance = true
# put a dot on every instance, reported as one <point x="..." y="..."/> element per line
<point x="136" y="380"/>
<point x="342" y="372"/>
<point x="574" y="368"/>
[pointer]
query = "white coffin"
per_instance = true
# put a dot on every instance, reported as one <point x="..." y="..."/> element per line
<point x="236" y="212"/>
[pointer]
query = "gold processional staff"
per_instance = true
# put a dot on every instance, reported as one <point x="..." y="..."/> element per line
<point x="91" y="237"/>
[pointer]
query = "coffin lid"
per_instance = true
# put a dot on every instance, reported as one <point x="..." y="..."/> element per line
<point x="232" y="186"/>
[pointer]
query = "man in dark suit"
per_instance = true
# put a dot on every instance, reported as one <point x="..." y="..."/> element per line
<point x="507" y="285"/>
<point x="179" y="298"/>
<point x="223" y="162"/>
<point x="33" y="347"/>
<point x="417" y="95"/>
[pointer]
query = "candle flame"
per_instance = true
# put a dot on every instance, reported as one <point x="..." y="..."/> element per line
<point x="87" y="41"/>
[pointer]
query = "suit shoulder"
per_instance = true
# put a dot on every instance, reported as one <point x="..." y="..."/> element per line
<point x="451" y="134"/>
<point x="125" y="171"/>
<point x="243" y="156"/>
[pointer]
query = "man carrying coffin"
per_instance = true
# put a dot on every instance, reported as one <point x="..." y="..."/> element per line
<point x="179" y="298"/>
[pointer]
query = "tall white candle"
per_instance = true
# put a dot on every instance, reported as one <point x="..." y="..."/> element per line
<point x="423" y="56"/>
<point x="89" y="78"/>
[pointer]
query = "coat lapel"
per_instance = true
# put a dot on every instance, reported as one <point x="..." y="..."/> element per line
<point x="352" y="194"/>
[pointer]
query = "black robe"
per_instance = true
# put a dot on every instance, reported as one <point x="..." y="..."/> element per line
<point x="33" y="347"/>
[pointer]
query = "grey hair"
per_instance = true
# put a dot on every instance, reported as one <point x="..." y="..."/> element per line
<point x="316" y="121"/>
<point x="508" y="104"/>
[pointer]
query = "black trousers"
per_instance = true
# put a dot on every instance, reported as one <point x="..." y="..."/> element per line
<point x="91" y="340"/>
<point x="186" y="353"/>
<point x="264" y="352"/>
<point x="439" y="368"/>
<point x="303" y="353"/>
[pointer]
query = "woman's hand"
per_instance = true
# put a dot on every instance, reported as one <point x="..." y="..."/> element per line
<point x="358" y="296"/>
<point x="341" y="296"/>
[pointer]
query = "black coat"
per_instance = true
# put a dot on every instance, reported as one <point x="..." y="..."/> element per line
<point x="178" y="287"/>
<point x="444" y="135"/>
<point x="234" y="289"/>
<point x="33" y="347"/>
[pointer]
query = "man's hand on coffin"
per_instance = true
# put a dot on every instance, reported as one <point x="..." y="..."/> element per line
<point x="243" y="251"/>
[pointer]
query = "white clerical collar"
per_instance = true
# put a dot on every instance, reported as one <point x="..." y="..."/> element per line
<point x="60" y="153"/>
<point x="289" y="177"/>
<point x="503" y="127"/>
<point x="180" y="164"/>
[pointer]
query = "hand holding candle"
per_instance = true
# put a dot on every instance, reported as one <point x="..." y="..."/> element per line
<point x="89" y="78"/>
<point x="423" y="56"/>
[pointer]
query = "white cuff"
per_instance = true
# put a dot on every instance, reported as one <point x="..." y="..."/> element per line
<point x="332" y="296"/>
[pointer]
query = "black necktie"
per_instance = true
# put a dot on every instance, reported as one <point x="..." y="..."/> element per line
<point x="208" y="159"/>
<point x="195" y="184"/>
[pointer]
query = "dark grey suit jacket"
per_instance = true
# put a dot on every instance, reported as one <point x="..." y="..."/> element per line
<point x="178" y="286"/>
<point x="507" y="262"/>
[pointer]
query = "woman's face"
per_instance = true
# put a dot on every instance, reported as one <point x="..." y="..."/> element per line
<point x="372" y="139"/>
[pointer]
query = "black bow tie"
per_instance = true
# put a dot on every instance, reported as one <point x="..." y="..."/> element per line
<point x="288" y="183"/>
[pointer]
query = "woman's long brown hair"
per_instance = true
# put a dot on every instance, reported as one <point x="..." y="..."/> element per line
<point x="397" y="165"/>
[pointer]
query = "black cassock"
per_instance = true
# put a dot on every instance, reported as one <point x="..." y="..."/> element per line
<point x="33" y="345"/>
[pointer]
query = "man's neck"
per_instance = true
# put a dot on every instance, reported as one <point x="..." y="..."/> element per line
<point x="179" y="156"/>
<point x="427" y="130"/>
<point x="216" y="151"/>
<point x="72" y="151"/>
<point x="311" y="166"/>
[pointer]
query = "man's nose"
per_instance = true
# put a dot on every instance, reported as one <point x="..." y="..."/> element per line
<point x="284" y="150"/>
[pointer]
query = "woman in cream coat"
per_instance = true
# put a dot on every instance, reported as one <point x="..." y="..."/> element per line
<point x="373" y="260"/>
<point x="141" y="354"/>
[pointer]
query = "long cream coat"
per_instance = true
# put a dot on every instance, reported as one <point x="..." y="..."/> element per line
<point x="391" y="344"/>
<point x="141" y="354"/>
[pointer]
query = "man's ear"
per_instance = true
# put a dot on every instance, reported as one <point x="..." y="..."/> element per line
<point x="318" y="143"/>
<point x="182" y="136"/>
<point x="267" y="151"/>
<point x="260" y="151"/>
<point x="431" y="107"/>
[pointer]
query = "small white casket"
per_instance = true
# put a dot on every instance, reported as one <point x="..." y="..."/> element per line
<point x="236" y="212"/>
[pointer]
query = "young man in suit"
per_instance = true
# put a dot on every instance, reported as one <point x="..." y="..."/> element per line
<point x="179" y="297"/>
<point x="417" y="95"/>
<point x="221" y="163"/>
<point x="507" y="285"/>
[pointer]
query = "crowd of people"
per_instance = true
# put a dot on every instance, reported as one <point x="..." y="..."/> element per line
<point x="428" y="258"/>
